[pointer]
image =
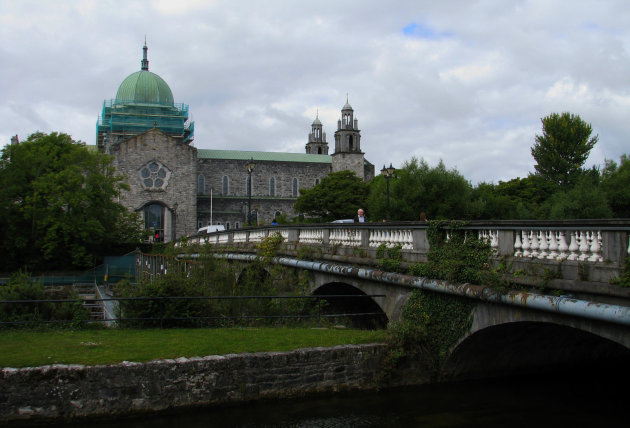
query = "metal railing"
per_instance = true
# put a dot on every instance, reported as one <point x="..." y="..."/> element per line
<point x="200" y="319"/>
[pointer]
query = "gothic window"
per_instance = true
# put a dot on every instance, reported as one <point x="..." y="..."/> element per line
<point x="201" y="184"/>
<point x="319" y="150"/>
<point x="350" y="143"/>
<point x="225" y="185"/>
<point x="272" y="186"/>
<point x="295" y="187"/>
<point x="154" y="176"/>
<point x="316" y="181"/>
<point x="154" y="220"/>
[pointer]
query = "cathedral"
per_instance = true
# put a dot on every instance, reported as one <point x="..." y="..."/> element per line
<point x="178" y="188"/>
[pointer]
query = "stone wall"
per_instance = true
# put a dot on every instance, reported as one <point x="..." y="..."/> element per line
<point x="232" y="206"/>
<point x="180" y="189"/>
<point x="64" y="392"/>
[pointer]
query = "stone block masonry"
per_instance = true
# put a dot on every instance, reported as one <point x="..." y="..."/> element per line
<point x="67" y="392"/>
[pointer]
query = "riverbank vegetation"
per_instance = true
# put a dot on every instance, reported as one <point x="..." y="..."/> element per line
<point x="30" y="348"/>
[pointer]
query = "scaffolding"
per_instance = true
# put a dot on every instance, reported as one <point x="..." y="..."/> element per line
<point x="121" y="119"/>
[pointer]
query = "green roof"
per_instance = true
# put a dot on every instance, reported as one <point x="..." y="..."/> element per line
<point x="144" y="87"/>
<point x="262" y="156"/>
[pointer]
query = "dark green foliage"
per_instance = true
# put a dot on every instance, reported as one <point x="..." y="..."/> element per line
<point x="615" y="184"/>
<point x="446" y="319"/>
<point x="389" y="259"/>
<point x="438" y="192"/>
<point x="584" y="200"/>
<point x="562" y="148"/>
<point x="21" y="287"/>
<point x="339" y="195"/>
<point x="462" y="258"/>
<point x="624" y="279"/>
<point x="58" y="205"/>
<point x="218" y="278"/>
<point x="432" y="323"/>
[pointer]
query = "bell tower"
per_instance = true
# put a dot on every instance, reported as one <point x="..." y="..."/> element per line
<point x="317" y="144"/>
<point x="348" y="154"/>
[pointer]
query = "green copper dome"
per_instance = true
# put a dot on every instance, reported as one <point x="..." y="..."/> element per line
<point x="144" y="87"/>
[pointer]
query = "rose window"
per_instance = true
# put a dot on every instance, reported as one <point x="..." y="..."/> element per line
<point x="154" y="176"/>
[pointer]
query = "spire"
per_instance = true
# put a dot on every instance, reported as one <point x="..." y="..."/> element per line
<point x="145" y="62"/>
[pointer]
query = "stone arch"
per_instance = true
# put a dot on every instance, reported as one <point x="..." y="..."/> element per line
<point x="530" y="347"/>
<point x="352" y="305"/>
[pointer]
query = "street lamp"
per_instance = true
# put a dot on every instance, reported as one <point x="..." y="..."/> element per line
<point x="387" y="174"/>
<point x="250" y="167"/>
<point x="175" y="206"/>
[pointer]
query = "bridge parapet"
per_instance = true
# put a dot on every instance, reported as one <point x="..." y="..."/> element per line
<point x="596" y="241"/>
<point x="579" y="256"/>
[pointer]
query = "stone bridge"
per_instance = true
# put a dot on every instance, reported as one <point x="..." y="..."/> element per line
<point x="586" y="318"/>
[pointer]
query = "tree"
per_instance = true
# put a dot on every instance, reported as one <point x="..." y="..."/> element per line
<point x="58" y="204"/>
<point x="339" y="195"/>
<point x="439" y="192"/>
<point x="584" y="200"/>
<point x="615" y="183"/>
<point x="563" y="148"/>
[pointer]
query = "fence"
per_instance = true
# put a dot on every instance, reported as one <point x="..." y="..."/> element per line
<point x="162" y="319"/>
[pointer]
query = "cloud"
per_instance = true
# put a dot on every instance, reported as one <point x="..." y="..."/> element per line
<point x="465" y="82"/>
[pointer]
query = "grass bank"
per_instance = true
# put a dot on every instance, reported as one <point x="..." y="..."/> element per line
<point x="30" y="348"/>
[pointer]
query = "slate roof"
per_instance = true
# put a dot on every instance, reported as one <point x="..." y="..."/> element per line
<point x="262" y="156"/>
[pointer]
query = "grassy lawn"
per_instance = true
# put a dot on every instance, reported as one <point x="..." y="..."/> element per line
<point x="30" y="348"/>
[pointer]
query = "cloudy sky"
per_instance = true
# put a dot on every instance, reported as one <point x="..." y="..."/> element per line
<point x="463" y="81"/>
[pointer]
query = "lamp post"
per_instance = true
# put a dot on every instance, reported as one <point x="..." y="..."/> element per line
<point x="175" y="205"/>
<point x="387" y="174"/>
<point x="250" y="167"/>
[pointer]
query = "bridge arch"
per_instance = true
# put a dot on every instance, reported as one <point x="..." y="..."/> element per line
<point x="395" y="297"/>
<point x="353" y="306"/>
<point x="531" y="348"/>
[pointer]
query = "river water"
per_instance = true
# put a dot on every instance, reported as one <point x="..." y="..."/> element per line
<point x="574" y="400"/>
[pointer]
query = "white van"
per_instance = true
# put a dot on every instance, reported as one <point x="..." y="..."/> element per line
<point x="212" y="228"/>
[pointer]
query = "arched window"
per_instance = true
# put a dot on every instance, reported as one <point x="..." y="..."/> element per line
<point x="295" y="187"/>
<point x="225" y="185"/>
<point x="154" y="221"/>
<point x="319" y="150"/>
<point x="350" y="143"/>
<point x="201" y="184"/>
<point x="272" y="186"/>
<point x="237" y="225"/>
<point x="227" y="225"/>
<point x="316" y="181"/>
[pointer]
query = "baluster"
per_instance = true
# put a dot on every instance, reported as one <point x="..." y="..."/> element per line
<point x="395" y="239"/>
<point x="526" y="244"/>
<point x="534" y="245"/>
<point x="408" y="240"/>
<point x="563" y="247"/>
<point x="543" y="245"/>
<point x="494" y="244"/>
<point x="553" y="246"/>
<point x="584" y="246"/>
<point x="518" y="245"/>
<point x="596" y="248"/>
<point x="573" y="246"/>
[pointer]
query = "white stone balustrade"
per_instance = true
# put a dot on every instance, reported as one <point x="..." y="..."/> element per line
<point x="311" y="236"/>
<point x="239" y="237"/>
<point x="581" y="245"/>
<point x="557" y="241"/>
<point x="345" y="236"/>
<point x="491" y="237"/>
<point x="257" y="235"/>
